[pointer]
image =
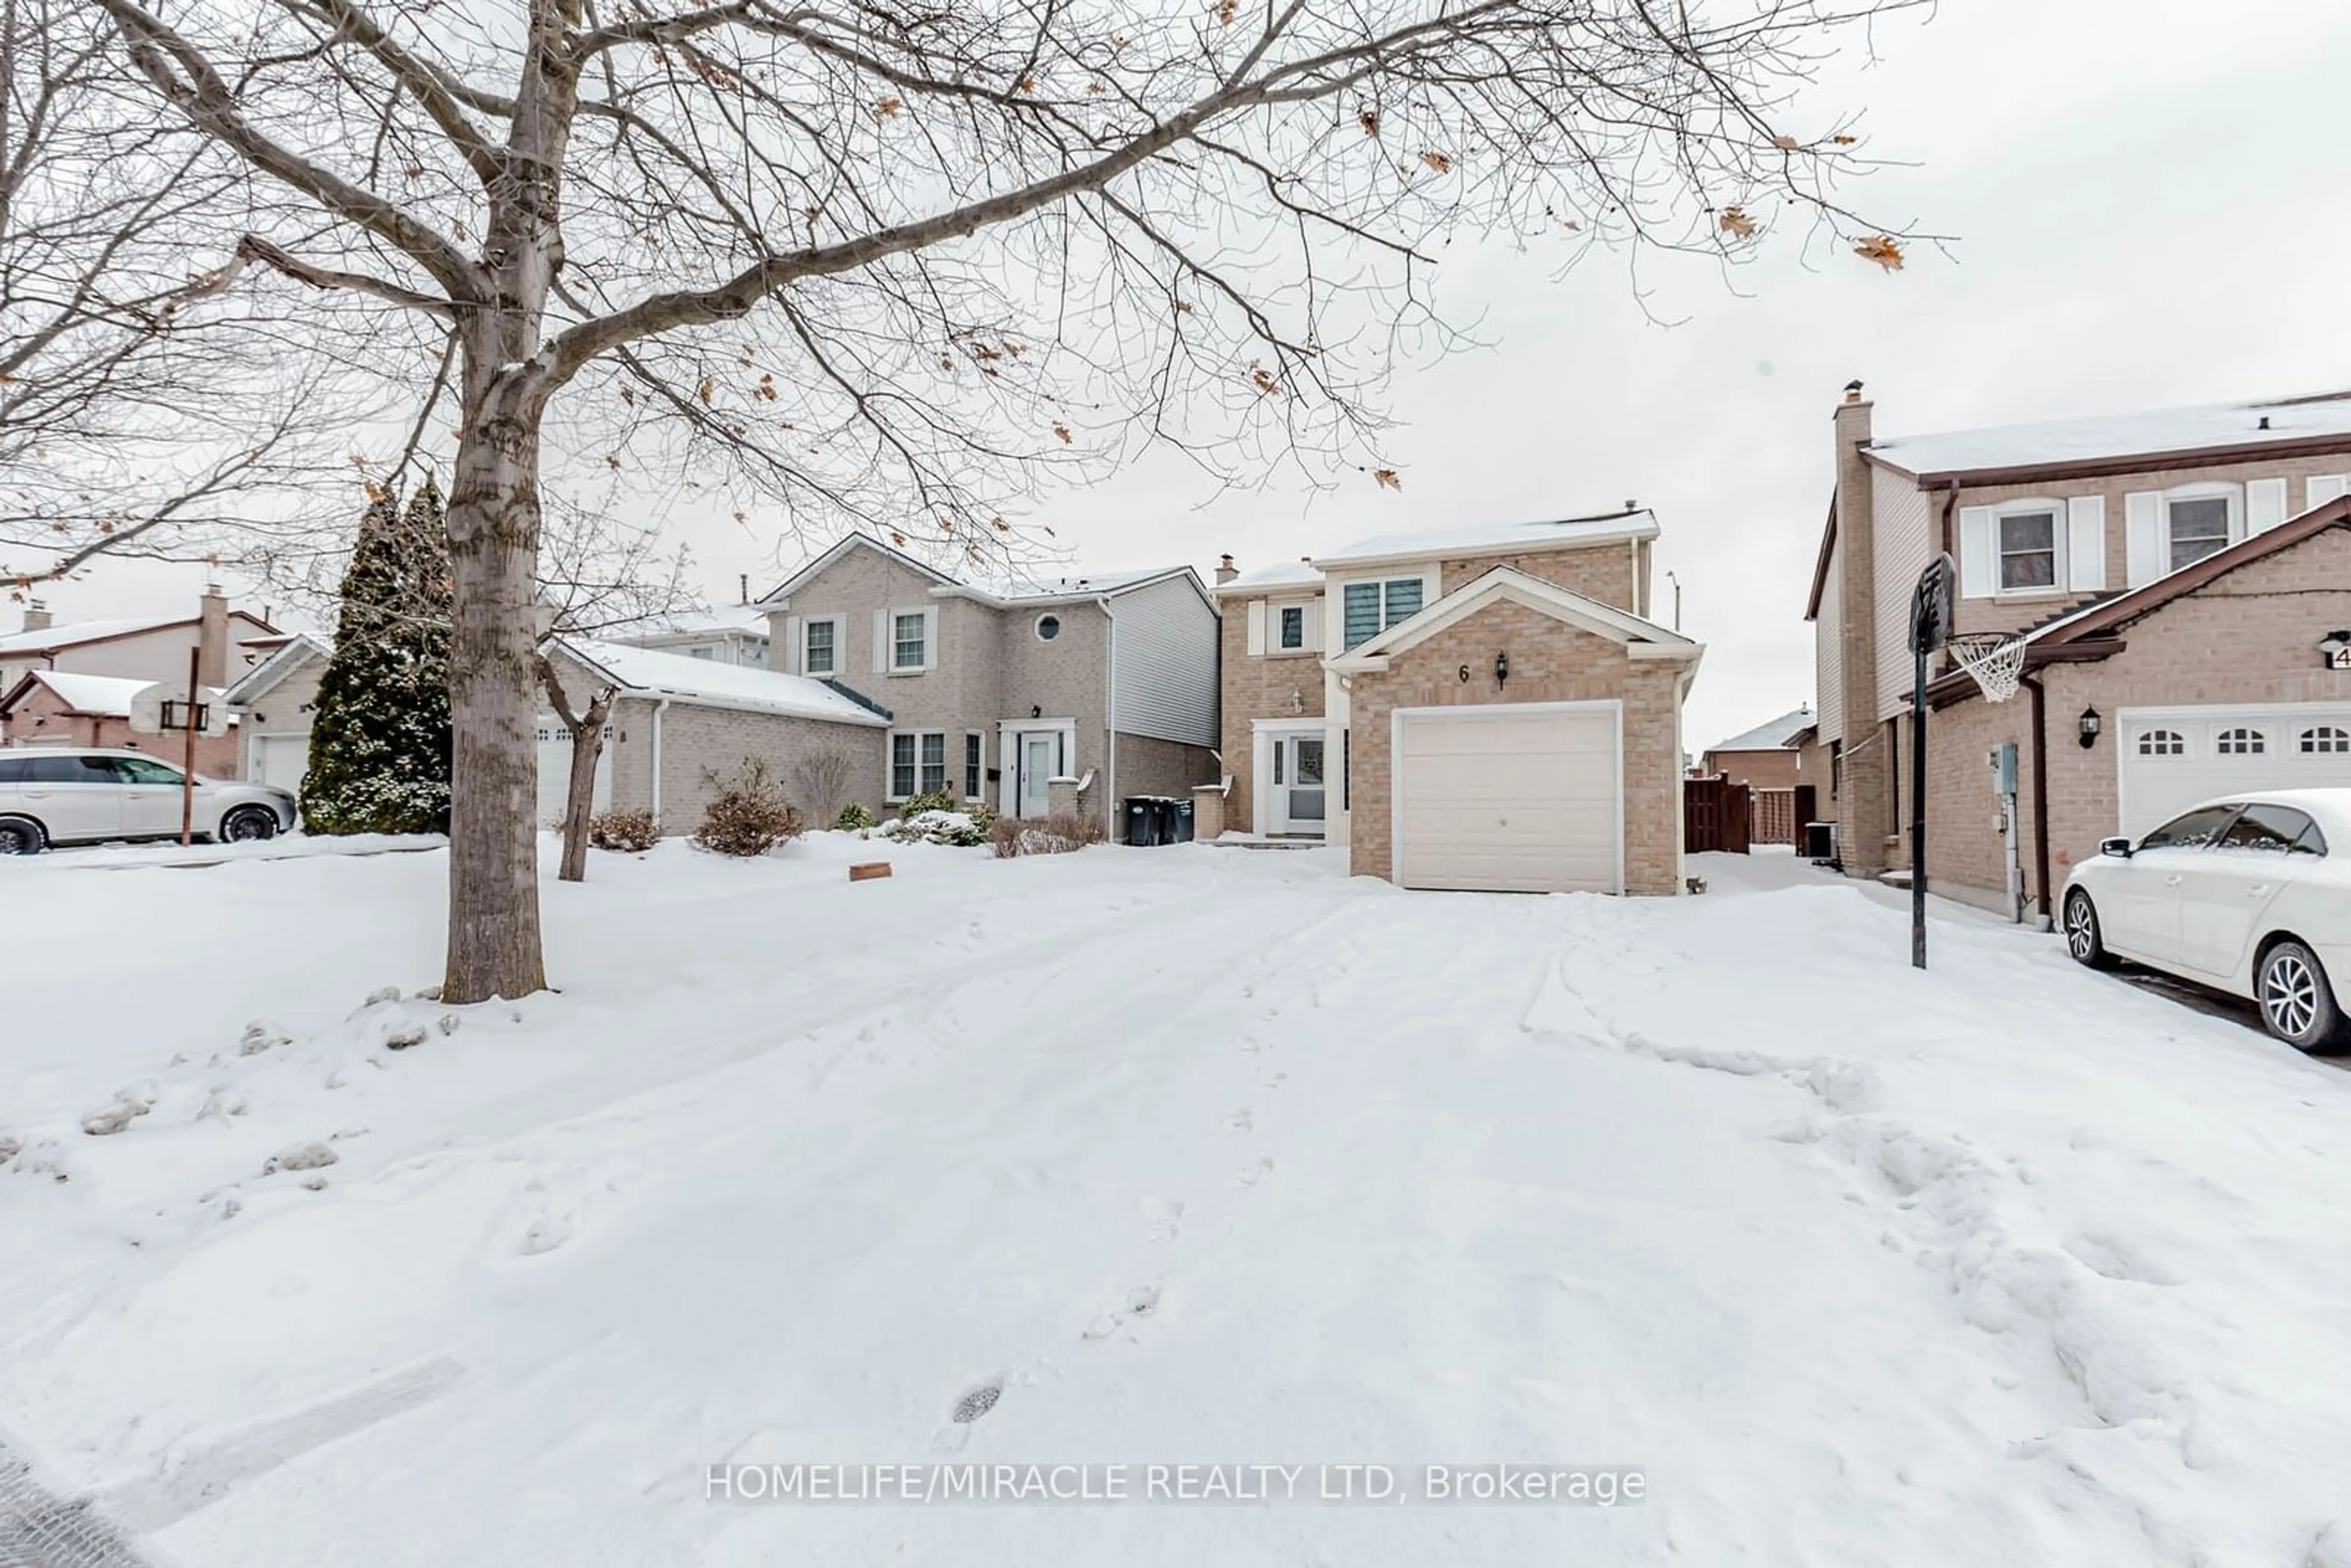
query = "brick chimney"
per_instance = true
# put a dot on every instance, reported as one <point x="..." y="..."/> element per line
<point x="1866" y="810"/>
<point x="212" y="638"/>
<point x="36" y="616"/>
<point x="1225" y="570"/>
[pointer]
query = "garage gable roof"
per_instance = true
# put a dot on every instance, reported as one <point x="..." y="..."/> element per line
<point x="1639" y="638"/>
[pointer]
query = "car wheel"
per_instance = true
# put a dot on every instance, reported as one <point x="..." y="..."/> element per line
<point x="20" y="836"/>
<point x="2083" y="937"/>
<point x="247" y="823"/>
<point x="2297" y="1004"/>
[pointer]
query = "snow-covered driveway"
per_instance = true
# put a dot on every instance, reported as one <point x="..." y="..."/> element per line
<point x="1192" y="1156"/>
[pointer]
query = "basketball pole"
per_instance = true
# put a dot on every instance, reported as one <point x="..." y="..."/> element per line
<point x="1918" y="808"/>
<point x="188" y="752"/>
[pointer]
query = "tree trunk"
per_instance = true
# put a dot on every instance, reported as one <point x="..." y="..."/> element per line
<point x="580" y="804"/>
<point x="494" y="934"/>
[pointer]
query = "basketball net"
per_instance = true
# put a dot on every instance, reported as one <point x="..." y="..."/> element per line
<point x="1994" y="660"/>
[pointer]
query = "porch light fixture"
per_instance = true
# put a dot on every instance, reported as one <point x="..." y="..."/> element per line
<point x="2090" y="726"/>
<point x="2335" y="648"/>
<point x="1502" y="669"/>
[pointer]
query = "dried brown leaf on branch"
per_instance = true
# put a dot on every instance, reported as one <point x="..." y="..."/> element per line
<point x="1369" y="120"/>
<point x="1063" y="432"/>
<point x="629" y="396"/>
<point x="612" y="460"/>
<point x="888" y="107"/>
<point x="1841" y="140"/>
<point x="704" y="392"/>
<point x="897" y="538"/>
<point x="1028" y="83"/>
<point x="768" y="388"/>
<point x="1735" y="221"/>
<point x="1785" y="142"/>
<point x="1264" y="380"/>
<point x="1225" y="11"/>
<point x="1183" y="304"/>
<point x="1881" y="249"/>
<point x="1388" y="480"/>
<point x="1439" y="161"/>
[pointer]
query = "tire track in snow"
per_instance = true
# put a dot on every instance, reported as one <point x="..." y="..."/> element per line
<point x="38" y="1529"/>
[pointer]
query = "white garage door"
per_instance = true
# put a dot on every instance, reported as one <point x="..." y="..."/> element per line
<point x="2171" y="758"/>
<point x="554" y="770"/>
<point x="281" y="761"/>
<point x="1510" y="799"/>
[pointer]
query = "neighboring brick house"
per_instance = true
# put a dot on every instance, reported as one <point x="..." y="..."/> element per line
<point x="1494" y="712"/>
<point x="1104" y="684"/>
<point x="57" y="707"/>
<point x="1768" y="757"/>
<point x="736" y="635"/>
<point x="2177" y="571"/>
<point x="680" y="729"/>
<point x="141" y="648"/>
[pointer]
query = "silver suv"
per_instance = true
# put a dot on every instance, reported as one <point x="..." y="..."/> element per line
<point x="60" y="795"/>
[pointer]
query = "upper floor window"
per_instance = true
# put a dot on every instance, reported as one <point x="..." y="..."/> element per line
<point x="1373" y="607"/>
<point x="820" y="647"/>
<point x="1292" y="631"/>
<point x="909" y="643"/>
<point x="2162" y="743"/>
<point x="2327" y="737"/>
<point x="2198" y="527"/>
<point x="2028" y="550"/>
<point x="2241" y="743"/>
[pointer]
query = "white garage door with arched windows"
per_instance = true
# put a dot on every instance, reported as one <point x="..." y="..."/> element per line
<point x="2168" y="758"/>
<point x="1511" y="798"/>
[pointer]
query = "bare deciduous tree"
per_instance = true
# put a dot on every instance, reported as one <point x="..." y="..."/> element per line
<point x="821" y="780"/>
<point x="895" y="259"/>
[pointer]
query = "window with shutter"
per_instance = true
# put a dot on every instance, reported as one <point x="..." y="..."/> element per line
<point x="1293" y="626"/>
<point x="2199" y="527"/>
<point x="908" y="644"/>
<point x="818" y="658"/>
<point x="2028" y="550"/>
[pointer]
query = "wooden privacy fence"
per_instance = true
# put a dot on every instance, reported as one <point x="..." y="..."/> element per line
<point x="1774" y="821"/>
<point x="1715" y="815"/>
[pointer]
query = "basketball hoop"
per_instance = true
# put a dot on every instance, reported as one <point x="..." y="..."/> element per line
<point x="1994" y="660"/>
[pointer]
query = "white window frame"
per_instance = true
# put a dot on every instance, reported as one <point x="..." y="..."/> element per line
<point x="2252" y="739"/>
<point x="2323" y="738"/>
<point x="2174" y="741"/>
<point x="897" y="642"/>
<point x="975" y="768"/>
<point x="890" y="791"/>
<point x="840" y="624"/>
<point x="1384" y="580"/>
<point x="2234" y="494"/>
<point x="2059" y="577"/>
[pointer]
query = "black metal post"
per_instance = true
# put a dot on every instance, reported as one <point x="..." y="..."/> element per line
<point x="1918" y="810"/>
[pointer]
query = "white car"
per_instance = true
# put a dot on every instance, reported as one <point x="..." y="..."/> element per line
<point x="2249" y="895"/>
<point x="59" y="795"/>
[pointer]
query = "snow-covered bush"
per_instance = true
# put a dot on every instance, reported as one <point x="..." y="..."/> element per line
<point x="1055" y="835"/>
<point x="748" y="816"/>
<point x="929" y="800"/>
<point x="633" y="831"/>
<point x="939" y="826"/>
<point x="854" y="818"/>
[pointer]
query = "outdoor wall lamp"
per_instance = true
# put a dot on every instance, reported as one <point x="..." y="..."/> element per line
<point x="2334" y="650"/>
<point x="1502" y="669"/>
<point x="2090" y="726"/>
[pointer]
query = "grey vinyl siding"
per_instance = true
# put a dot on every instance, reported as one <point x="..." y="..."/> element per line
<point x="1164" y="663"/>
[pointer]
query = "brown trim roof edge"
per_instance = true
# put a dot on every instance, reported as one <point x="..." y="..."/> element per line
<point x="1820" y="565"/>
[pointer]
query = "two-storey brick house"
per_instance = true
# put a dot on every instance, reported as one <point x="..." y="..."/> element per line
<point x="1105" y="684"/>
<point x="1482" y="709"/>
<point x="2175" y="573"/>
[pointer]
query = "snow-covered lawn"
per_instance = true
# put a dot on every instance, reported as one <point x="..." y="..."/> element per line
<point x="1196" y="1155"/>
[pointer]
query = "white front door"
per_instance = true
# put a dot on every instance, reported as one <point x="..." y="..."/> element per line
<point x="1301" y="798"/>
<point x="1039" y="762"/>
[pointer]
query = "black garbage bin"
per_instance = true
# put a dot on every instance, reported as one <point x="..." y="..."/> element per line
<point x="1179" y="815"/>
<point x="1141" y="822"/>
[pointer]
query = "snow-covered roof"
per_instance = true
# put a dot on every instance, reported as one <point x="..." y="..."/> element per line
<point x="2228" y="425"/>
<point x="1029" y="589"/>
<point x="1280" y="574"/>
<point x="1636" y="522"/>
<point x="742" y="620"/>
<point x="74" y="632"/>
<point x="1770" y="736"/>
<point x="108" y="696"/>
<point x="706" y="681"/>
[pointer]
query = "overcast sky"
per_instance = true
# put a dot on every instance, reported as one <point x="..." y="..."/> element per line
<point x="2150" y="201"/>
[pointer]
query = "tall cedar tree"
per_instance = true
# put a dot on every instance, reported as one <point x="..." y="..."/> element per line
<point x="379" y="743"/>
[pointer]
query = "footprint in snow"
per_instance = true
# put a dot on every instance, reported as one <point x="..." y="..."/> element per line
<point x="1168" y="1221"/>
<point x="1140" y="1303"/>
<point x="1276" y="1082"/>
<point x="1253" y="1174"/>
<point x="1239" y="1122"/>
